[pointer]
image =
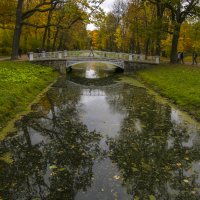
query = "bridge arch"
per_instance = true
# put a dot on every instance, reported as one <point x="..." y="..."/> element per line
<point x="61" y="60"/>
<point x="115" y="63"/>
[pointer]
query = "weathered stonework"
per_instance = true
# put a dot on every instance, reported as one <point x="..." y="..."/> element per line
<point x="59" y="65"/>
<point x="62" y="65"/>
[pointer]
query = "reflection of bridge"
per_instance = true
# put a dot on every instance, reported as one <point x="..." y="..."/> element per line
<point x="74" y="57"/>
<point x="95" y="90"/>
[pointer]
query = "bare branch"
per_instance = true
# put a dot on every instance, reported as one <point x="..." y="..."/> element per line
<point x="5" y="27"/>
<point x="38" y="8"/>
<point x="38" y="26"/>
<point x="52" y="25"/>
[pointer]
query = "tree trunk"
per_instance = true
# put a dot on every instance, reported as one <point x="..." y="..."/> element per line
<point x="158" y="41"/>
<point x="146" y="47"/>
<point x="158" y="45"/>
<point x="60" y="42"/>
<point x="47" y="28"/>
<point x="17" y="31"/>
<point x="160" y="10"/>
<point x="173" y="55"/>
<point x="48" y="39"/>
<point x="55" y="39"/>
<point x="44" y="38"/>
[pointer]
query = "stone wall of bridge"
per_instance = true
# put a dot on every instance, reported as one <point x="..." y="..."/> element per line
<point x="61" y="65"/>
<point x="131" y="66"/>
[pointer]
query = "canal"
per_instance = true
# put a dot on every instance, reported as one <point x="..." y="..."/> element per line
<point x="94" y="137"/>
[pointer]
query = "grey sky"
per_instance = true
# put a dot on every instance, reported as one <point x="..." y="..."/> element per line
<point x="107" y="6"/>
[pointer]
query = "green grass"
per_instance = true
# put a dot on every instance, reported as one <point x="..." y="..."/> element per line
<point x="180" y="83"/>
<point x="20" y="83"/>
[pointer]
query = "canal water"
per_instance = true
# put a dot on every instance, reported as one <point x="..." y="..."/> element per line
<point x="94" y="137"/>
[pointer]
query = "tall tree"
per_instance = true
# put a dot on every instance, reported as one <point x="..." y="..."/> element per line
<point x="160" y="7"/>
<point x="180" y="10"/>
<point x="44" y="6"/>
<point x="21" y="16"/>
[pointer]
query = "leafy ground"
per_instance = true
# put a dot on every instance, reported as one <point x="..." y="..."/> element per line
<point x="20" y="83"/>
<point x="180" y="83"/>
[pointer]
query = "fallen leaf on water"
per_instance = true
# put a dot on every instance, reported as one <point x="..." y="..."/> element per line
<point x="178" y="164"/>
<point x="152" y="197"/>
<point x="116" y="177"/>
<point x="62" y="169"/>
<point x="53" y="174"/>
<point x="60" y="189"/>
<point x="52" y="167"/>
<point x="187" y="158"/>
<point x="134" y="169"/>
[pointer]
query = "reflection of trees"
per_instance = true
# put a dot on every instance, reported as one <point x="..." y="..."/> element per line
<point x="53" y="156"/>
<point x="151" y="152"/>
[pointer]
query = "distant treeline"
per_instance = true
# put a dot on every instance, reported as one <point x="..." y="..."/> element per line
<point x="152" y="27"/>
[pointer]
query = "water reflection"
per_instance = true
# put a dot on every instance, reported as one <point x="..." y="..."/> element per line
<point x="93" y="70"/>
<point x="155" y="153"/>
<point x="101" y="140"/>
<point x="53" y="156"/>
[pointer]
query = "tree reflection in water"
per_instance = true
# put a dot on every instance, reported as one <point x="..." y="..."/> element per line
<point x="156" y="155"/>
<point x="54" y="154"/>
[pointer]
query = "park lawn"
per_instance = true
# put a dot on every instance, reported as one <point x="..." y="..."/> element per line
<point x="20" y="83"/>
<point x="180" y="83"/>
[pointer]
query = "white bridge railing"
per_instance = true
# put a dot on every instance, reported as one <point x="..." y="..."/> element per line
<point x="67" y="55"/>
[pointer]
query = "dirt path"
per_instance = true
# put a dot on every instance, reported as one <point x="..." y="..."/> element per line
<point x="23" y="58"/>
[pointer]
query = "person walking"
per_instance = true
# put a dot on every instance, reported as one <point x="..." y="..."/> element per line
<point x="182" y="57"/>
<point x="91" y="52"/>
<point x="20" y="52"/>
<point x="194" y="57"/>
<point x="178" y="57"/>
<point x="38" y="51"/>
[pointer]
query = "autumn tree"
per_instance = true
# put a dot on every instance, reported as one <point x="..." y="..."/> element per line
<point x="107" y="28"/>
<point x="159" y="25"/>
<point x="141" y="21"/>
<point x="180" y="11"/>
<point x="7" y="14"/>
<point x="23" y="16"/>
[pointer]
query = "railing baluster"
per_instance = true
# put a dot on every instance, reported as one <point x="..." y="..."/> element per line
<point x="99" y="54"/>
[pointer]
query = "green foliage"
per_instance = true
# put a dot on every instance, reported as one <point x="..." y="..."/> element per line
<point x="179" y="83"/>
<point x="5" y="42"/>
<point x="20" y="82"/>
<point x="5" y="51"/>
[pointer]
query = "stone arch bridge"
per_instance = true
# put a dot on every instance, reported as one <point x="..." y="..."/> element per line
<point x="62" y="60"/>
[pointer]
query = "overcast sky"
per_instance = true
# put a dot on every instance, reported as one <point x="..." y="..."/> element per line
<point x="107" y="6"/>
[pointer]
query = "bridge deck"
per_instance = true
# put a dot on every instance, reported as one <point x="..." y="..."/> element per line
<point x="80" y="56"/>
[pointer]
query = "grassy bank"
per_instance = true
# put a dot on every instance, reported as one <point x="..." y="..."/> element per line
<point x="180" y="83"/>
<point x="20" y="83"/>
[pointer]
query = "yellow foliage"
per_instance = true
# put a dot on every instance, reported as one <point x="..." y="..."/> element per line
<point x="118" y="38"/>
<point x="166" y="44"/>
<point x="185" y="42"/>
<point x="95" y="39"/>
